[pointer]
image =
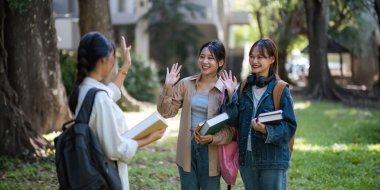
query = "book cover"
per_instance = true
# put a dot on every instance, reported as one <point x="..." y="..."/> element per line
<point x="273" y="117"/>
<point x="213" y="125"/>
<point x="150" y="124"/>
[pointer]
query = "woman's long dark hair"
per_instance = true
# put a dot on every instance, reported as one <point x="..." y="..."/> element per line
<point x="92" y="47"/>
<point x="217" y="50"/>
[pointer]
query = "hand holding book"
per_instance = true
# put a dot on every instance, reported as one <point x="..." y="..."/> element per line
<point x="258" y="127"/>
<point x="204" y="131"/>
<point x="269" y="118"/>
<point x="155" y="122"/>
<point x="206" y="139"/>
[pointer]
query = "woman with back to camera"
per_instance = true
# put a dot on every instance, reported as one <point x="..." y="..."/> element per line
<point x="264" y="154"/>
<point x="199" y="96"/>
<point x="96" y="58"/>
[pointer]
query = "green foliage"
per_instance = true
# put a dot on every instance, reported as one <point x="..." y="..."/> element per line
<point x="20" y="174"/>
<point x="19" y="5"/>
<point x="352" y="24"/>
<point x="142" y="80"/>
<point x="173" y="39"/>
<point x="68" y="68"/>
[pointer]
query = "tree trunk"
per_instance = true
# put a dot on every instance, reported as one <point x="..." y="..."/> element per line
<point x="320" y="83"/>
<point x="258" y="18"/>
<point x="96" y="16"/>
<point x="285" y="34"/>
<point x="32" y="96"/>
<point x="377" y="9"/>
<point x="320" y="80"/>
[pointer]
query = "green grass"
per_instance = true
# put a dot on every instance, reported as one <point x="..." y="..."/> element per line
<point x="337" y="147"/>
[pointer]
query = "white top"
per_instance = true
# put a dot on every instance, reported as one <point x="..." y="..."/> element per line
<point x="257" y="94"/>
<point x="108" y="122"/>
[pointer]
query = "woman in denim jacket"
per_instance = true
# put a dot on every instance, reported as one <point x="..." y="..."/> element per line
<point x="264" y="154"/>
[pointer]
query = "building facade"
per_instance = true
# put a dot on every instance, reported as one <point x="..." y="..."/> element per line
<point x="216" y="24"/>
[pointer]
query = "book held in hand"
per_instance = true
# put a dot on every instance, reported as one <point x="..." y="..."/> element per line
<point x="147" y="126"/>
<point x="213" y="125"/>
<point x="273" y="117"/>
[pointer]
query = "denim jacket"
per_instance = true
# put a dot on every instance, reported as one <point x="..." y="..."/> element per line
<point x="271" y="150"/>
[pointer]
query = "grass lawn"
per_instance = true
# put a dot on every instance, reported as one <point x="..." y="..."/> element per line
<point x="337" y="147"/>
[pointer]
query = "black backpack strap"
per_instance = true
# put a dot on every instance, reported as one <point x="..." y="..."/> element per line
<point x="86" y="108"/>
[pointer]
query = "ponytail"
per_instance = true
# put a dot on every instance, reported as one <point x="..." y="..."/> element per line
<point x="92" y="47"/>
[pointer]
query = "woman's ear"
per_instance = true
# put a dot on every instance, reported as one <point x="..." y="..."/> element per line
<point x="272" y="59"/>
<point x="103" y="60"/>
<point x="221" y="63"/>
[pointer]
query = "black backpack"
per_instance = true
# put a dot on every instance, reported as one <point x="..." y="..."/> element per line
<point x="79" y="160"/>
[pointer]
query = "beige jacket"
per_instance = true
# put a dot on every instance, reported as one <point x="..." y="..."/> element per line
<point x="179" y="96"/>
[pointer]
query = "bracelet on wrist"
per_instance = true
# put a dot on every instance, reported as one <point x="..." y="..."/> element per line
<point x="123" y="72"/>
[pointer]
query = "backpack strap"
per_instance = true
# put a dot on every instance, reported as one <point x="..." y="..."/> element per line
<point x="277" y="92"/>
<point x="86" y="108"/>
<point x="242" y="86"/>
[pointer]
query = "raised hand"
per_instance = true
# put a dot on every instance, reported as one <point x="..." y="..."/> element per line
<point x="229" y="81"/>
<point x="127" y="55"/>
<point x="173" y="75"/>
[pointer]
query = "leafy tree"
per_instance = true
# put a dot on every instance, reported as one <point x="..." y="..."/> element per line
<point x="142" y="81"/>
<point x="283" y="21"/>
<point x="320" y="83"/>
<point x="376" y="5"/>
<point x="32" y="98"/>
<point x="172" y="38"/>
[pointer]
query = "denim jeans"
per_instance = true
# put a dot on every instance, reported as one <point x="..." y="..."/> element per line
<point x="262" y="179"/>
<point x="198" y="177"/>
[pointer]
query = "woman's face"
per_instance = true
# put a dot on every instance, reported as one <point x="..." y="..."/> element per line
<point x="109" y="63"/>
<point x="260" y="64"/>
<point x="207" y="63"/>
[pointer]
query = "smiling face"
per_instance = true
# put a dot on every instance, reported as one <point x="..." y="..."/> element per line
<point x="260" y="62"/>
<point x="207" y="62"/>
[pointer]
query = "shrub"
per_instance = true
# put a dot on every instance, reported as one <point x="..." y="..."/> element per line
<point x="142" y="81"/>
<point x="68" y="66"/>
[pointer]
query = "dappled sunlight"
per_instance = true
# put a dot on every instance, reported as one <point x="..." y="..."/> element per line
<point x="301" y="145"/>
<point x="50" y="136"/>
<point x="339" y="112"/>
<point x="374" y="147"/>
<point x="302" y="105"/>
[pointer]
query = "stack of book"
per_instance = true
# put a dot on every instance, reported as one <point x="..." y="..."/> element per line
<point x="273" y="117"/>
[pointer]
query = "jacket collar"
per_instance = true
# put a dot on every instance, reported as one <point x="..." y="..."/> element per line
<point x="269" y="89"/>
<point x="218" y="85"/>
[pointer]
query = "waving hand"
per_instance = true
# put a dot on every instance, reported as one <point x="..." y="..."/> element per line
<point x="173" y="75"/>
<point x="229" y="81"/>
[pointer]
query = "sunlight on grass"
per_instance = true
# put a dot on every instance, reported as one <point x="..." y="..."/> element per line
<point x="302" y="105"/>
<point x="374" y="147"/>
<point x="50" y="136"/>
<point x="301" y="146"/>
